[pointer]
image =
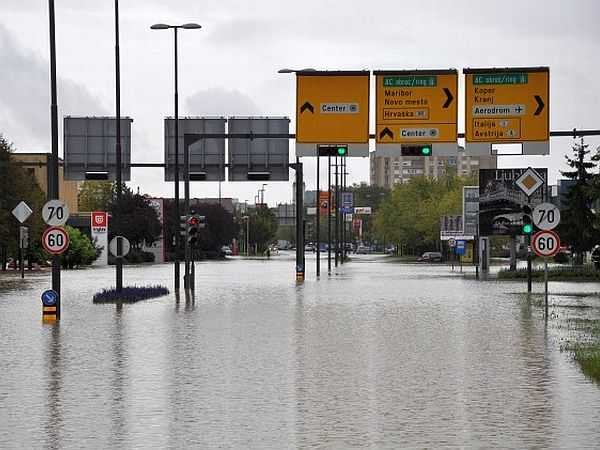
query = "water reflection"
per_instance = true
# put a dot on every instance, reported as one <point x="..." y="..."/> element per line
<point x="53" y="425"/>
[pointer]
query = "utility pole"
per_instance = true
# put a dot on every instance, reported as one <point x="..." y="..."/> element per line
<point x="329" y="214"/>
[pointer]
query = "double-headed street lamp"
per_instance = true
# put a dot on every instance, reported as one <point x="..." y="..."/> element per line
<point x="185" y="26"/>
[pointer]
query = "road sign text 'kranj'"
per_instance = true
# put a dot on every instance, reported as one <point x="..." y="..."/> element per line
<point x="332" y="107"/>
<point x="417" y="106"/>
<point x="507" y="105"/>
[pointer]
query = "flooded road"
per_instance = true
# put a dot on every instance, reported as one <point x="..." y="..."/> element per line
<point x="380" y="355"/>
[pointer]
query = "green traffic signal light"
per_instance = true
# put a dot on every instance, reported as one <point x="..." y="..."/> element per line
<point x="342" y="150"/>
<point x="527" y="228"/>
<point x="426" y="150"/>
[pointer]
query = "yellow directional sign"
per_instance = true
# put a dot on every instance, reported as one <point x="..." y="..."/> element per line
<point x="332" y="107"/>
<point x="507" y="105"/>
<point x="417" y="106"/>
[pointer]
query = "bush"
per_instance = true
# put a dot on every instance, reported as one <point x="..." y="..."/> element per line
<point x="576" y="273"/>
<point x="130" y="294"/>
<point x="81" y="251"/>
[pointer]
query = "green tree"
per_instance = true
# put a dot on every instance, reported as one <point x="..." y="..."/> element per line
<point x="578" y="227"/>
<point x="371" y="196"/>
<point x="135" y="218"/>
<point x="17" y="185"/>
<point x="81" y="251"/>
<point x="410" y="216"/>
<point x="263" y="228"/>
<point x="95" y="195"/>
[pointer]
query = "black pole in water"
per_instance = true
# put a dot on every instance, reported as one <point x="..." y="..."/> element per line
<point x="53" y="189"/>
<point x="337" y="212"/>
<point x="329" y="213"/>
<point x="528" y="257"/>
<point x="119" y="264"/>
<point x="317" y="204"/>
<point x="300" y="268"/>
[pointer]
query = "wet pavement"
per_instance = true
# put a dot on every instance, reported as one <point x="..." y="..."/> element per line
<point x="378" y="355"/>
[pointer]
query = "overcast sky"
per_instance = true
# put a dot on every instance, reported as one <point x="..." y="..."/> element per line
<point x="230" y="66"/>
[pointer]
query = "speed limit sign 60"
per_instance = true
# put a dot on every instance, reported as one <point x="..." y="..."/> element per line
<point x="545" y="243"/>
<point x="55" y="240"/>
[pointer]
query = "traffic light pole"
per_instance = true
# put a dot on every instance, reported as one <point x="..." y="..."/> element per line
<point x="337" y="212"/>
<point x="53" y="186"/>
<point x="317" y="202"/>
<point x="300" y="264"/>
<point x="186" y="206"/>
<point x="329" y="214"/>
<point x="343" y="215"/>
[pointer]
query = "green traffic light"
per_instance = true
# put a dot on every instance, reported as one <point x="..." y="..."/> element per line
<point x="342" y="151"/>
<point x="527" y="228"/>
<point x="426" y="151"/>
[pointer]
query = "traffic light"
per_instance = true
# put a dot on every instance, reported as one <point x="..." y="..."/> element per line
<point x="194" y="223"/>
<point x="416" y="150"/>
<point x="527" y="227"/>
<point x="333" y="150"/>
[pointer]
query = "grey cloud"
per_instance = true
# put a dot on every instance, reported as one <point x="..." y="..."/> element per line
<point x="25" y="93"/>
<point x="220" y="102"/>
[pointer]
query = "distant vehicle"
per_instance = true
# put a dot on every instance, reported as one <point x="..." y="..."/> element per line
<point x="362" y="250"/>
<point x="226" y="250"/>
<point x="309" y="247"/>
<point x="390" y="250"/>
<point x="430" y="257"/>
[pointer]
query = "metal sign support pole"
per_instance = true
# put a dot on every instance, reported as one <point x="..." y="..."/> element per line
<point x="344" y="212"/>
<point x="318" y="205"/>
<point x="329" y="214"/>
<point x="53" y="186"/>
<point x="337" y="211"/>
<point x="177" y="209"/>
<point x="119" y="264"/>
<point x="546" y="285"/>
<point x="528" y="256"/>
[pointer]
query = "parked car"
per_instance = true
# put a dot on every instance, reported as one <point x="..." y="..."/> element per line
<point x="430" y="257"/>
<point x="309" y="247"/>
<point x="226" y="250"/>
<point x="362" y="250"/>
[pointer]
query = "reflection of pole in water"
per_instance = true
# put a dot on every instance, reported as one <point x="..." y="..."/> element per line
<point x="117" y="402"/>
<point x="54" y="417"/>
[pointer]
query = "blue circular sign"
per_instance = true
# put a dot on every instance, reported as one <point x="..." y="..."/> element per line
<point x="49" y="297"/>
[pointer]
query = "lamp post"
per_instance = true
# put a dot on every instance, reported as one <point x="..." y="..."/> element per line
<point x="247" y="219"/>
<point x="262" y="194"/>
<point x="186" y="26"/>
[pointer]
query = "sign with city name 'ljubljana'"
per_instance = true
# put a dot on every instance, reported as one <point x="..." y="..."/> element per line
<point x="416" y="106"/>
<point x="507" y="105"/>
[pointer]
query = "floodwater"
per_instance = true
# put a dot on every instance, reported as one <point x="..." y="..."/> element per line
<point x="378" y="355"/>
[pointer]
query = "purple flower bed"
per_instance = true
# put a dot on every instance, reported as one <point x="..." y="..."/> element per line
<point x="130" y="294"/>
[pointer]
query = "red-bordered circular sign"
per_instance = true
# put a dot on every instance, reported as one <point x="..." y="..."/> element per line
<point x="545" y="243"/>
<point x="55" y="240"/>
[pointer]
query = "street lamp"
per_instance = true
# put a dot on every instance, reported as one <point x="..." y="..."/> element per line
<point x="185" y="26"/>
<point x="262" y="193"/>
<point x="247" y="219"/>
<point x="308" y="69"/>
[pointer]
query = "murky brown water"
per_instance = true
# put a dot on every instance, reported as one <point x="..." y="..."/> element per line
<point x="379" y="356"/>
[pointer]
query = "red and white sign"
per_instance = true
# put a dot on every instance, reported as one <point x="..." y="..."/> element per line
<point x="55" y="240"/>
<point x="545" y="243"/>
<point x="99" y="222"/>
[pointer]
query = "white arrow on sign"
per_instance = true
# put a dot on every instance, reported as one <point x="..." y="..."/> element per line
<point x="55" y="213"/>
<point x="22" y="212"/>
<point x="546" y="216"/>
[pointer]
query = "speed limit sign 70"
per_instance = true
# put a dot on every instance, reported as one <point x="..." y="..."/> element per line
<point x="545" y="243"/>
<point x="546" y="216"/>
<point x="55" y="240"/>
<point x="55" y="213"/>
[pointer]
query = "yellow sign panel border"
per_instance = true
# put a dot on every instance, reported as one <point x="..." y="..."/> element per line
<point x="417" y="123"/>
<point x="364" y="115"/>
<point x="469" y="72"/>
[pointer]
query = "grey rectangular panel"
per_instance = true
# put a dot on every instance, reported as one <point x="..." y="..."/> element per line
<point x="90" y="148"/>
<point x="259" y="159"/>
<point x="207" y="156"/>
<point x="354" y="150"/>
